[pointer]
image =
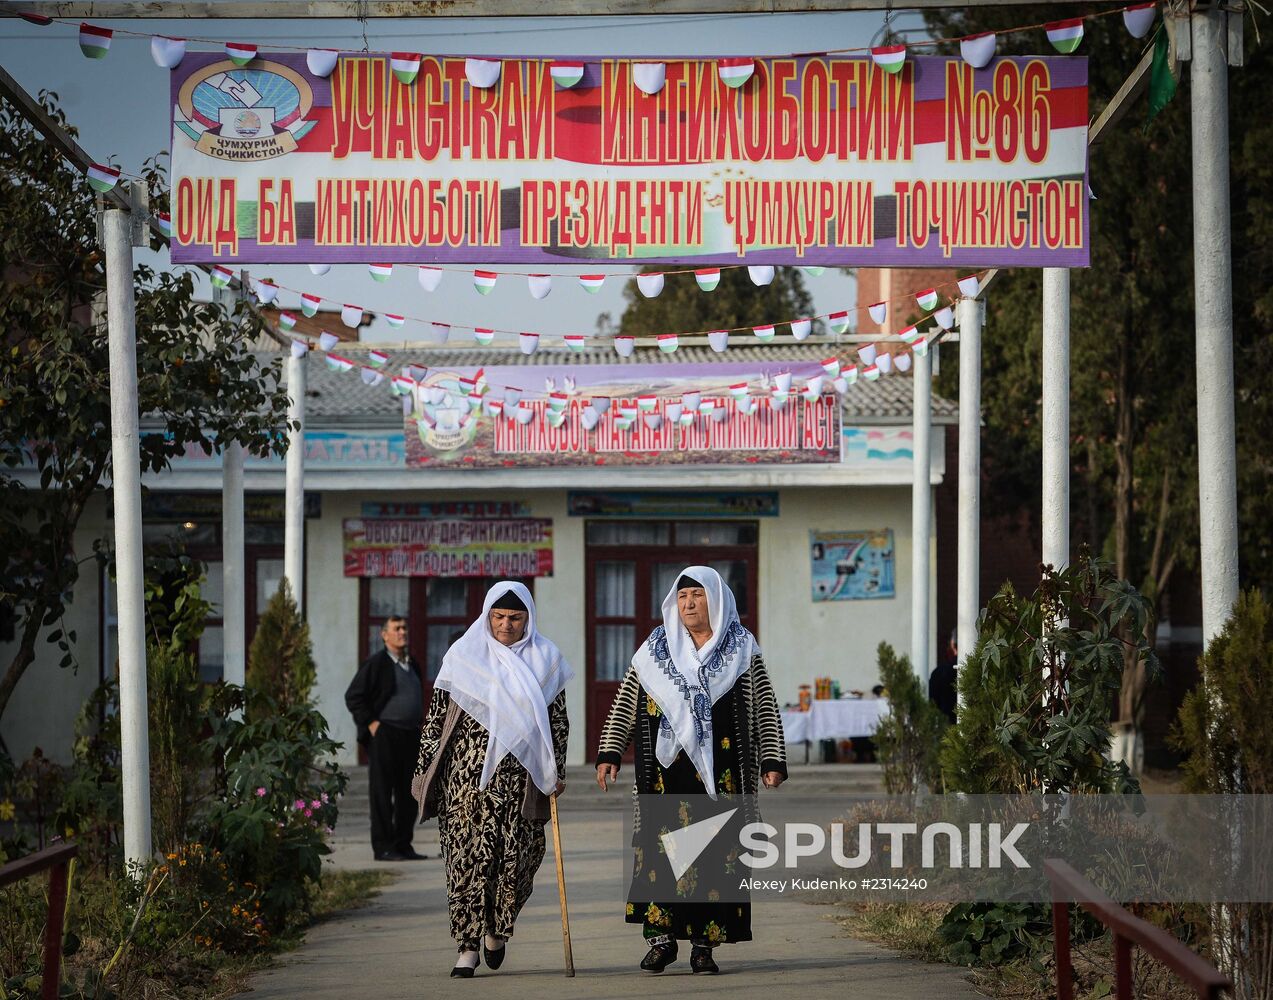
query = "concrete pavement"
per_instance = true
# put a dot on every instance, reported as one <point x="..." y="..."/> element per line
<point x="399" y="947"/>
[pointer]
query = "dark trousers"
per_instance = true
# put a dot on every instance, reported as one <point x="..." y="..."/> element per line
<point x="393" y="811"/>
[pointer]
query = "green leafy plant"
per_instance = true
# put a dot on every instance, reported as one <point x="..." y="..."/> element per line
<point x="281" y="660"/>
<point x="909" y="737"/>
<point x="1037" y="692"/>
<point x="996" y="933"/>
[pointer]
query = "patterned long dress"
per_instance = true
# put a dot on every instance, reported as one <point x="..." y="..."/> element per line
<point x="491" y="851"/>
<point x="747" y="730"/>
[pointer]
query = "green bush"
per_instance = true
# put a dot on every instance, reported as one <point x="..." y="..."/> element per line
<point x="996" y="933"/>
<point x="909" y="737"/>
<point x="1017" y="732"/>
<point x="281" y="660"/>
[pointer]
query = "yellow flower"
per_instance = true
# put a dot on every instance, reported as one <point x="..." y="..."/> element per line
<point x="8" y="810"/>
<point x="651" y="708"/>
<point x="631" y="910"/>
<point x="724" y="742"/>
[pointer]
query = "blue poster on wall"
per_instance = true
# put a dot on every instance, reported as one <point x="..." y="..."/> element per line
<point x="852" y="565"/>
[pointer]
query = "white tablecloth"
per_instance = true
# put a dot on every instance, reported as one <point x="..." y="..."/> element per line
<point x="841" y="719"/>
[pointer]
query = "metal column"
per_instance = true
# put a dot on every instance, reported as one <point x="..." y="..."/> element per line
<point x="921" y="516"/>
<point x="971" y="313"/>
<point x="294" y="501"/>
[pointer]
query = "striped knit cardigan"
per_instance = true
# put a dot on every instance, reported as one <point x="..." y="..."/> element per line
<point x="766" y="749"/>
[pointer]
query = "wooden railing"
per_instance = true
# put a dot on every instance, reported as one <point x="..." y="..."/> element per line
<point x="1128" y="930"/>
<point x="57" y="862"/>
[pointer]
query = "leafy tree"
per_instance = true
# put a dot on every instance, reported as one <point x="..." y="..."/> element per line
<point x="909" y="736"/>
<point x="198" y="379"/>
<point x="281" y="660"/>
<point x="1133" y="398"/>
<point x="1016" y="731"/>
<point x="683" y="308"/>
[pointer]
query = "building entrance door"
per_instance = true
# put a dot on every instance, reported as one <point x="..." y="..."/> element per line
<point x="630" y="567"/>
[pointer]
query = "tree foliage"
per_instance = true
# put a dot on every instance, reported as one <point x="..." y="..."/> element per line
<point x="909" y="736"/>
<point x="198" y="380"/>
<point x="683" y="308"/>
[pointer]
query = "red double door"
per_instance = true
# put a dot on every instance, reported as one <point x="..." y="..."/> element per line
<point x="628" y="574"/>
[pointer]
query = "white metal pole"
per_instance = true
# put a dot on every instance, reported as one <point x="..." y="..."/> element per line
<point x="1213" y="318"/>
<point x="294" y="502"/>
<point x="971" y="312"/>
<point x="121" y="318"/>
<point x="921" y="515"/>
<point x="1056" y="416"/>
<point x="233" y="569"/>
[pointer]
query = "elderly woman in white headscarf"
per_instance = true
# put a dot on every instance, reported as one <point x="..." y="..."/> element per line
<point x="492" y="753"/>
<point x="699" y="706"/>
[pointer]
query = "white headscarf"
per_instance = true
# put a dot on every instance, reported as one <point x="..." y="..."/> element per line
<point x="686" y="682"/>
<point x="508" y="689"/>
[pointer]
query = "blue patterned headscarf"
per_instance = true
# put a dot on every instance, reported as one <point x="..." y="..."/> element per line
<point x="685" y="681"/>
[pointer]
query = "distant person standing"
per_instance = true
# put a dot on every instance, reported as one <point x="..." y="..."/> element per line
<point x="943" y="684"/>
<point x="386" y="699"/>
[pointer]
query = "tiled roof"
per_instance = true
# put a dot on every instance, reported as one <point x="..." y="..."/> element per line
<point x="342" y="397"/>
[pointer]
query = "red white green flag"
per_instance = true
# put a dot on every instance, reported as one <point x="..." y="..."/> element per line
<point x="377" y="358"/>
<point x="102" y="178"/>
<point x="483" y="336"/>
<point x="831" y="366"/>
<point x="310" y="303"/>
<point x="164" y="221"/>
<point x="95" y="42"/>
<point x="708" y="278"/>
<point x="575" y="341"/>
<point x="669" y="342"/>
<point x="927" y="299"/>
<point x="764" y="333"/>
<point x="221" y="276"/>
<point x="838" y="321"/>
<point x="484" y="281"/>
<point x="734" y="72"/>
<point x="395" y="322"/>
<point x="566" y="73"/>
<point x="380" y="272"/>
<point x="878" y="313"/>
<point x="889" y="58"/>
<point x="592" y="283"/>
<point x="1066" y="35"/>
<point x="338" y="364"/>
<point x="405" y="66"/>
<point x="372" y="377"/>
<point x="909" y="334"/>
<point x="286" y="322"/>
<point x="240" y="53"/>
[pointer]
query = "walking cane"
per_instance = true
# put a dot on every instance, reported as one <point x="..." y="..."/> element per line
<point x="561" y="889"/>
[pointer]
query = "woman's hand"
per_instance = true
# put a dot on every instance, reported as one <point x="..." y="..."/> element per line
<point x="772" y="779"/>
<point x="607" y="772"/>
<point x="561" y="787"/>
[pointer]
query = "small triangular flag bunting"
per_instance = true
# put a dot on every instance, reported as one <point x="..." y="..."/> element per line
<point x="326" y="341"/>
<point x="575" y="341"/>
<point x="266" y="291"/>
<point x="401" y="384"/>
<point x="321" y="62"/>
<point x="240" y="53"/>
<point x="909" y="334"/>
<point x="831" y="366"/>
<point x="286" y="322"/>
<point x="482" y="73"/>
<point x="167" y="52"/>
<point x="927" y="299"/>
<point x="1066" y="35"/>
<point x="600" y="403"/>
<point x="902" y="362"/>
<point x="1139" y="18"/>
<point x="539" y="284"/>
<point x="760" y="274"/>
<point x="221" y="276"/>
<point x="969" y="286"/>
<point x="764" y="333"/>
<point x="978" y="50"/>
<point x="813" y="270"/>
<point x="484" y="281"/>
<point x="649" y="76"/>
<point x="838" y="321"/>
<point x="592" y="282"/>
<point x="439" y="333"/>
<point x="668" y="343"/>
<point x="878" y="313"/>
<point x="920" y="347"/>
<point x="734" y="72"/>
<point x="351" y="316"/>
<point x="405" y="66"/>
<point x="102" y="178"/>
<point x="945" y="317"/>
<point x="884" y="363"/>
<point x="483" y="336"/>
<point x="318" y="270"/>
<point x="95" y="41"/>
<point x="650" y="284"/>
<point x="528" y="342"/>
<point x="867" y="353"/>
<point x="310" y="304"/>
<point x="299" y="349"/>
<point x="395" y="322"/>
<point x="588" y="418"/>
<point x="718" y="340"/>
<point x="39" y="20"/>
<point x="850" y="374"/>
<point x="708" y="278"/>
<point x="338" y="364"/>
<point x="889" y="58"/>
<point x="871" y="373"/>
<point x="800" y="328"/>
<point x="624" y="345"/>
<point x="377" y="358"/>
<point x="813" y="386"/>
<point x="164" y="221"/>
<point x="430" y="277"/>
<point x="566" y="73"/>
<point x="782" y="381"/>
<point x="380" y="272"/>
<point x="372" y="377"/>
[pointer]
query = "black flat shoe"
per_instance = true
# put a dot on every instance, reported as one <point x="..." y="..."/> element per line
<point x="701" y="961"/>
<point x="659" y="957"/>
<point x="463" y="972"/>
<point x="494" y="959"/>
<point x="411" y="854"/>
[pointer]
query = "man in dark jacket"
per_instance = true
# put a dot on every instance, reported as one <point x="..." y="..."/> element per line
<point x="943" y="683"/>
<point x="386" y="699"/>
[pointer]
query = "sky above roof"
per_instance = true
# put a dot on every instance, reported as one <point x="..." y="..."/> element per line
<point x="120" y="105"/>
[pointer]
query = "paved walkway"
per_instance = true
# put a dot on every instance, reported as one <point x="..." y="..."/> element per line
<point x="398" y="946"/>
